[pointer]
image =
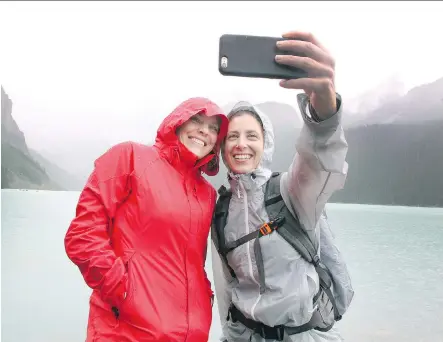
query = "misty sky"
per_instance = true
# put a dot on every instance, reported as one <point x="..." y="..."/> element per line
<point x="111" y="71"/>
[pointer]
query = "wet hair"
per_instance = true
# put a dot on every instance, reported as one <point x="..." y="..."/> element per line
<point x="242" y="110"/>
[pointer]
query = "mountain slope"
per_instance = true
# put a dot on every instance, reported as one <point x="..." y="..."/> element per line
<point x="424" y="102"/>
<point x="19" y="170"/>
<point x="11" y="133"/>
<point x="60" y="176"/>
<point x="395" y="164"/>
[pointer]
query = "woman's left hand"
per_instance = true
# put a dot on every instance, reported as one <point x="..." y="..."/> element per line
<point x="320" y="66"/>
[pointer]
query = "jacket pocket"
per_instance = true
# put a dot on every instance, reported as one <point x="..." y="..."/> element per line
<point x="125" y="305"/>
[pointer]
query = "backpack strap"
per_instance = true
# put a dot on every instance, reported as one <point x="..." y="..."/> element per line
<point x="265" y="229"/>
<point x="218" y="225"/>
<point x="302" y="241"/>
<point x="291" y="230"/>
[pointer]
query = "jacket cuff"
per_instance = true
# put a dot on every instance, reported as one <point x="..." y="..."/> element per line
<point x="323" y="126"/>
<point x="314" y="114"/>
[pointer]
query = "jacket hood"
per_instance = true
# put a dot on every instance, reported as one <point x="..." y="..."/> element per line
<point x="168" y="141"/>
<point x="263" y="172"/>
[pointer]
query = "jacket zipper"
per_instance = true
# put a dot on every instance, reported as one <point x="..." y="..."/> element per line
<point x="248" y="253"/>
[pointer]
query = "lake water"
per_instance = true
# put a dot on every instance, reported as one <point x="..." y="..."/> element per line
<point x="395" y="256"/>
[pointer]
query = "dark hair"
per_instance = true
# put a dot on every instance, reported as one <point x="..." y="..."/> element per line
<point x="242" y="110"/>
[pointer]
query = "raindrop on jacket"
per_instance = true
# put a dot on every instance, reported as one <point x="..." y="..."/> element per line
<point x="139" y="237"/>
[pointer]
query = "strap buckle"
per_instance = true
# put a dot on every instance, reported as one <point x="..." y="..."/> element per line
<point x="280" y="333"/>
<point x="277" y="333"/>
<point x="269" y="227"/>
<point x="265" y="229"/>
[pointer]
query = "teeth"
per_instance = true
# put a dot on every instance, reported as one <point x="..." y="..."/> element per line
<point x="197" y="141"/>
<point x="242" y="156"/>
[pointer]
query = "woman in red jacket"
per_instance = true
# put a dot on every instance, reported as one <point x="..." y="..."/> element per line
<point x="141" y="227"/>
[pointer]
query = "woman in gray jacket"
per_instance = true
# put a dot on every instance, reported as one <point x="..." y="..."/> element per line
<point x="267" y="287"/>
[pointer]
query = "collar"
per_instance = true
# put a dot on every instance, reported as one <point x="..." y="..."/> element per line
<point x="251" y="181"/>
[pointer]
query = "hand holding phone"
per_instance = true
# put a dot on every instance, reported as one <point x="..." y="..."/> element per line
<point x="319" y="65"/>
<point x="297" y="58"/>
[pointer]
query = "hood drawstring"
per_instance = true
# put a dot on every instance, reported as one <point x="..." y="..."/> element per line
<point x="232" y="176"/>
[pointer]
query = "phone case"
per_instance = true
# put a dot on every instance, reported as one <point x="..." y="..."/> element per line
<point x="253" y="56"/>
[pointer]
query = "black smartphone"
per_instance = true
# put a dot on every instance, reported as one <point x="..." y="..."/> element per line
<point x="253" y="56"/>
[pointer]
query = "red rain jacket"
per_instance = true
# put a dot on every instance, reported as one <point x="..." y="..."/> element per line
<point x="139" y="237"/>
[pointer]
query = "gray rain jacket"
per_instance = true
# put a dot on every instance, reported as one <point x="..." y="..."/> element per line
<point x="318" y="169"/>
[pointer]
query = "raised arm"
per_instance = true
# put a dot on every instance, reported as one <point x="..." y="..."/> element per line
<point x="319" y="167"/>
<point x="87" y="241"/>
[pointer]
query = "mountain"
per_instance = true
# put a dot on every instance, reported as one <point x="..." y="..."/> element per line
<point x="19" y="170"/>
<point x="21" y="167"/>
<point x="396" y="162"/>
<point x="69" y="181"/>
<point x="78" y="158"/>
<point x="387" y="91"/>
<point x="397" y="157"/>
<point x="424" y="102"/>
<point x="11" y="133"/>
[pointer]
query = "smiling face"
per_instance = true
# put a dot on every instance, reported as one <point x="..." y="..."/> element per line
<point x="199" y="134"/>
<point x="244" y="143"/>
